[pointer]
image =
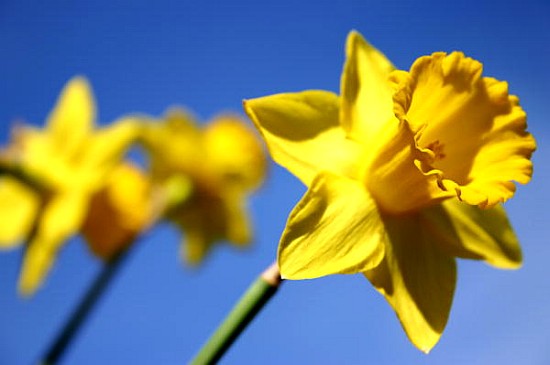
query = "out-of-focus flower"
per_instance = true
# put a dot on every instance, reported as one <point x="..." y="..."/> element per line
<point x="119" y="212"/>
<point x="63" y="166"/>
<point x="405" y="170"/>
<point x="221" y="163"/>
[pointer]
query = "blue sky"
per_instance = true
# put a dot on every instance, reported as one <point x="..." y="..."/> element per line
<point x="144" y="56"/>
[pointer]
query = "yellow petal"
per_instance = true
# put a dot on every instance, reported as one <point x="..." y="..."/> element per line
<point x="366" y="93"/>
<point x="18" y="209"/>
<point x="194" y="248"/>
<point x="35" y="152"/>
<point x="73" y="116"/>
<point x="61" y="218"/>
<point x="474" y="131"/>
<point x="334" y="229"/>
<point x="106" y="149"/>
<point x="417" y="278"/>
<point x="470" y="232"/>
<point x="234" y="151"/>
<point x="303" y="133"/>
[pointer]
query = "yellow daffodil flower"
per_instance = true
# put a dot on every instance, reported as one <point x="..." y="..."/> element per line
<point x="405" y="171"/>
<point x="119" y="212"/>
<point x="65" y="164"/>
<point x="221" y="164"/>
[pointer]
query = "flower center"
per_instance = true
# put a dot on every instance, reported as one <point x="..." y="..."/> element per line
<point x="401" y="177"/>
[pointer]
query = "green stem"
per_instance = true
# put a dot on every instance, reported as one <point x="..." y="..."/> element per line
<point x="84" y="308"/>
<point x="253" y="300"/>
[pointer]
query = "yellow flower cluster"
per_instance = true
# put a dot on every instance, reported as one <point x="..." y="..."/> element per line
<point x="73" y="178"/>
<point x="405" y="170"/>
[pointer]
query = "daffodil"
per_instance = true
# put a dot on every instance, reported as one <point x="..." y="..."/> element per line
<point x="405" y="171"/>
<point x="63" y="166"/>
<point x="215" y="168"/>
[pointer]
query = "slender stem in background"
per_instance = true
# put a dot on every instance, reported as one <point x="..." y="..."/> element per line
<point x="253" y="300"/>
<point x="84" y="308"/>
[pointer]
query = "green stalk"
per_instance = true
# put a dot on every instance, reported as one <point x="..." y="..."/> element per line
<point x="83" y="310"/>
<point x="253" y="300"/>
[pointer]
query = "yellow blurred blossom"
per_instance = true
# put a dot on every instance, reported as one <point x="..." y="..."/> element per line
<point x="405" y="171"/>
<point x="222" y="163"/>
<point x="62" y="167"/>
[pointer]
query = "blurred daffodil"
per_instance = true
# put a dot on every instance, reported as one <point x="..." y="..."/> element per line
<point x="56" y="172"/>
<point x="405" y="171"/>
<point x="215" y="168"/>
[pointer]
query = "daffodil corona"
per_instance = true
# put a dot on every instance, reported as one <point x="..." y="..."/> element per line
<point x="405" y="171"/>
<point x="119" y="212"/>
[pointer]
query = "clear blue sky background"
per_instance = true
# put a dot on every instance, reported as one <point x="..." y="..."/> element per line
<point x="143" y="56"/>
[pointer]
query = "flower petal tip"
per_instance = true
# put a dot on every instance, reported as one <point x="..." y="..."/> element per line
<point x="26" y="286"/>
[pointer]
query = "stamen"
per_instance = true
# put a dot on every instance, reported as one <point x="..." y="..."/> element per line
<point x="437" y="148"/>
